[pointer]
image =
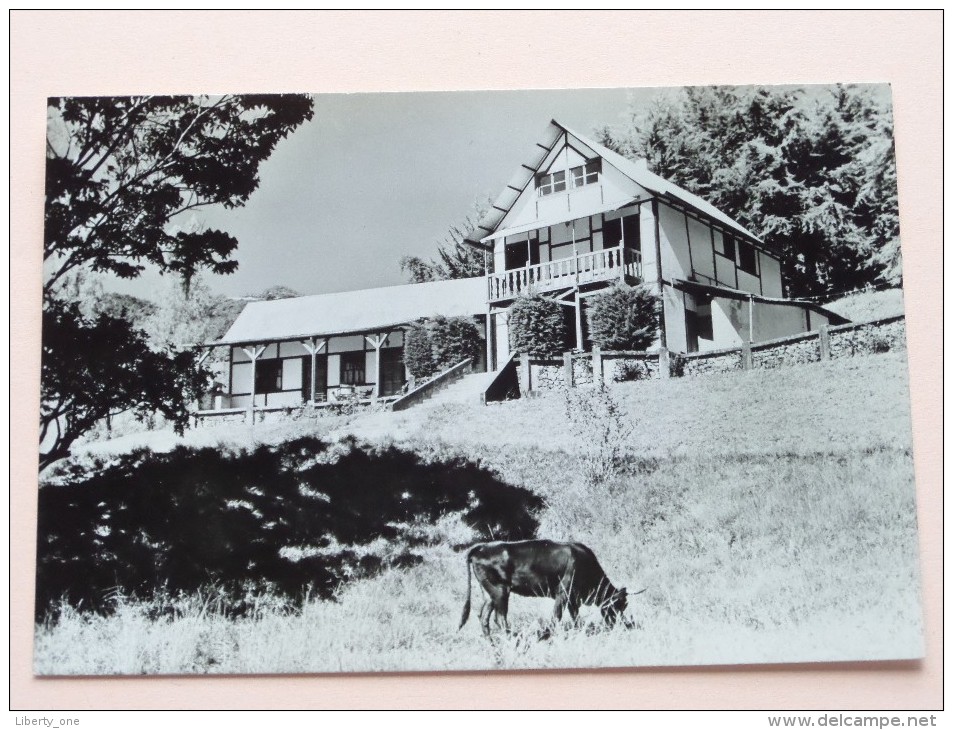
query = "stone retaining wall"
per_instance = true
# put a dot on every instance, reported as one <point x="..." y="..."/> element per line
<point x="829" y="342"/>
<point x="792" y="351"/>
<point x="868" y="338"/>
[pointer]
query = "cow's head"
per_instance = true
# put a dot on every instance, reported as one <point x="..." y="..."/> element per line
<point x="613" y="607"/>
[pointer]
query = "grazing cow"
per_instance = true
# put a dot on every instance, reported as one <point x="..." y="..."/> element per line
<point x="566" y="571"/>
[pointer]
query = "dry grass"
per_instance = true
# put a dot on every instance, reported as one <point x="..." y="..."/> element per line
<point x="869" y="305"/>
<point x="769" y="514"/>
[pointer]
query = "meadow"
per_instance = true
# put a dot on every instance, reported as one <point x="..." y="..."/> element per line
<point x="769" y="515"/>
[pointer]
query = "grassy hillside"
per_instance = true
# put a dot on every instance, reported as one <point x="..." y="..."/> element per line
<point x="869" y="305"/>
<point x="769" y="514"/>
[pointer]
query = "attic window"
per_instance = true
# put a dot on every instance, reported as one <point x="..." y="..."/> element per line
<point x="586" y="174"/>
<point x="553" y="183"/>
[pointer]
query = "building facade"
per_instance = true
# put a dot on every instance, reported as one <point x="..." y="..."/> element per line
<point x="577" y="218"/>
<point x="332" y="347"/>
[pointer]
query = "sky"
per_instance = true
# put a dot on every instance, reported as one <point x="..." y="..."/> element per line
<point x="374" y="177"/>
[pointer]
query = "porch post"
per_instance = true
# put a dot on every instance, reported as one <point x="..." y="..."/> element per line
<point x="751" y="318"/>
<point x="313" y="348"/>
<point x="579" y="344"/>
<point x="377" y="343"/>
<point x="254" y="353"/>
<point x="490" y="365"/>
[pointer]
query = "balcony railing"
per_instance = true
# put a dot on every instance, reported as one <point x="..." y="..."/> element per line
<point x="583" y="268"/>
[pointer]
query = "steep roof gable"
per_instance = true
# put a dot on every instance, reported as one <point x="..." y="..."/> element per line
<point x="637" y="171"/>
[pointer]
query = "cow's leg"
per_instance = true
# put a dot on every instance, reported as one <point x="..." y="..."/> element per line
<point x="495" y="603"/>
<point x="558" y="609"/>
<point x="502" y="608"/>
<point x="486" y="610"/>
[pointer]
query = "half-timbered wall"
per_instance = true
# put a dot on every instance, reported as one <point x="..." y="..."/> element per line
<point x="286" y="366"/>
<point x="694" y="248"/>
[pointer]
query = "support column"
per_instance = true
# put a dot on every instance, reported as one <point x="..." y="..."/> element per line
<point x="377" y="342"/>
<point x="751" y="318"/>
<point x="490" y="334"/>
<point x="598" y="376"/>
<point x="254" y="353"/>
<point x="313" y="347"/>
<point x="579" y="343"/>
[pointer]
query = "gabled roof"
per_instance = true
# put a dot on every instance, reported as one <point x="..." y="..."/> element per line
<point x="351" y="312"/>
<point x="637" y="171"/>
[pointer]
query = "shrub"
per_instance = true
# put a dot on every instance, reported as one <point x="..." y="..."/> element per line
<point x="627" y="370"/>
<point x="432" y="345"/>
<point x="624" y="318"/>
<point x="296" y="518"/>
<point x="418" y="350"/>
<point x="454" y="339"/>
<point x="537" y="327"/>
<point x="602" y="428"/>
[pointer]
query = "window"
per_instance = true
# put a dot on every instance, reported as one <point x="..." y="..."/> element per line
<point x="352" y="368"/>
<point x="586" y="174"/>
<point x="748" y="258"/>
<point x="556" y="182"/>
<point x="728" y="247"/>
<point x="553" y="183"/>
<point x="622" y="229"/>
<point x="268" y="376"/>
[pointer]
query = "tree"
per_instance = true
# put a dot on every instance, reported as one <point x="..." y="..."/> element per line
<point x="184" y="318"/>
<point x="121" y="172"/>
<point x="278" y="291"/>
<point x="812" y="174"/>
<point x="94" y="368"/>
<point x="457" y="260"/>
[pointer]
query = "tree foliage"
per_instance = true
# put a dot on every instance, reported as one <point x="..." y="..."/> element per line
<point x="119" y="171"/>
<point x="624" y="318"/>
<point x="812" y="172"/>
<point x="187" y="317"/>
<point x="278" y="291"/>
<point x="455" y="259"/>
<point x="94" y="368"/>
<point x="120" y="175"/>
<point x="435" y="344"/>
<point x="537" y="327"/>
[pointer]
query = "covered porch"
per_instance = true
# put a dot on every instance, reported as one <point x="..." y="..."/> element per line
<point x="316" y="371"/>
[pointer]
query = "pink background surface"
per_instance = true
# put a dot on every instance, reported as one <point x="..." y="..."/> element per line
<point x="102" y="53"/>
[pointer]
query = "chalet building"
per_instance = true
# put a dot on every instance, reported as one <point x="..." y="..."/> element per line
<point x="575" y="219"/>
<point x="578" y="217"/>
<point x="329" y="347"/>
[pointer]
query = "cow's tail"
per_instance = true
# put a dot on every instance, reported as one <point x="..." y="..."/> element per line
<point x="466" y="606"/>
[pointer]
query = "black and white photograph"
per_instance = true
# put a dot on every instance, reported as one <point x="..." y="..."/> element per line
<point x="474" y="380"/>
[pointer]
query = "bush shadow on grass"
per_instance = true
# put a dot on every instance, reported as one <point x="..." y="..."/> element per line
<point x="297" y="519"/>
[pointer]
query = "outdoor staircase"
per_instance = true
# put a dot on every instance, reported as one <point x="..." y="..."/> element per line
<point x="468" y="389"/>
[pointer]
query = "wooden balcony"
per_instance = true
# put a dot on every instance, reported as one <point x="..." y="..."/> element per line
<point x="585" y="268"/>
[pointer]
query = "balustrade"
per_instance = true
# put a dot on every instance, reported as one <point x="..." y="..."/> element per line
<point x="601" y="265"/>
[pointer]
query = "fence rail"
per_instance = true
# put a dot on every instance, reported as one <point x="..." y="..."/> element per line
<point x="604" y="265"/>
